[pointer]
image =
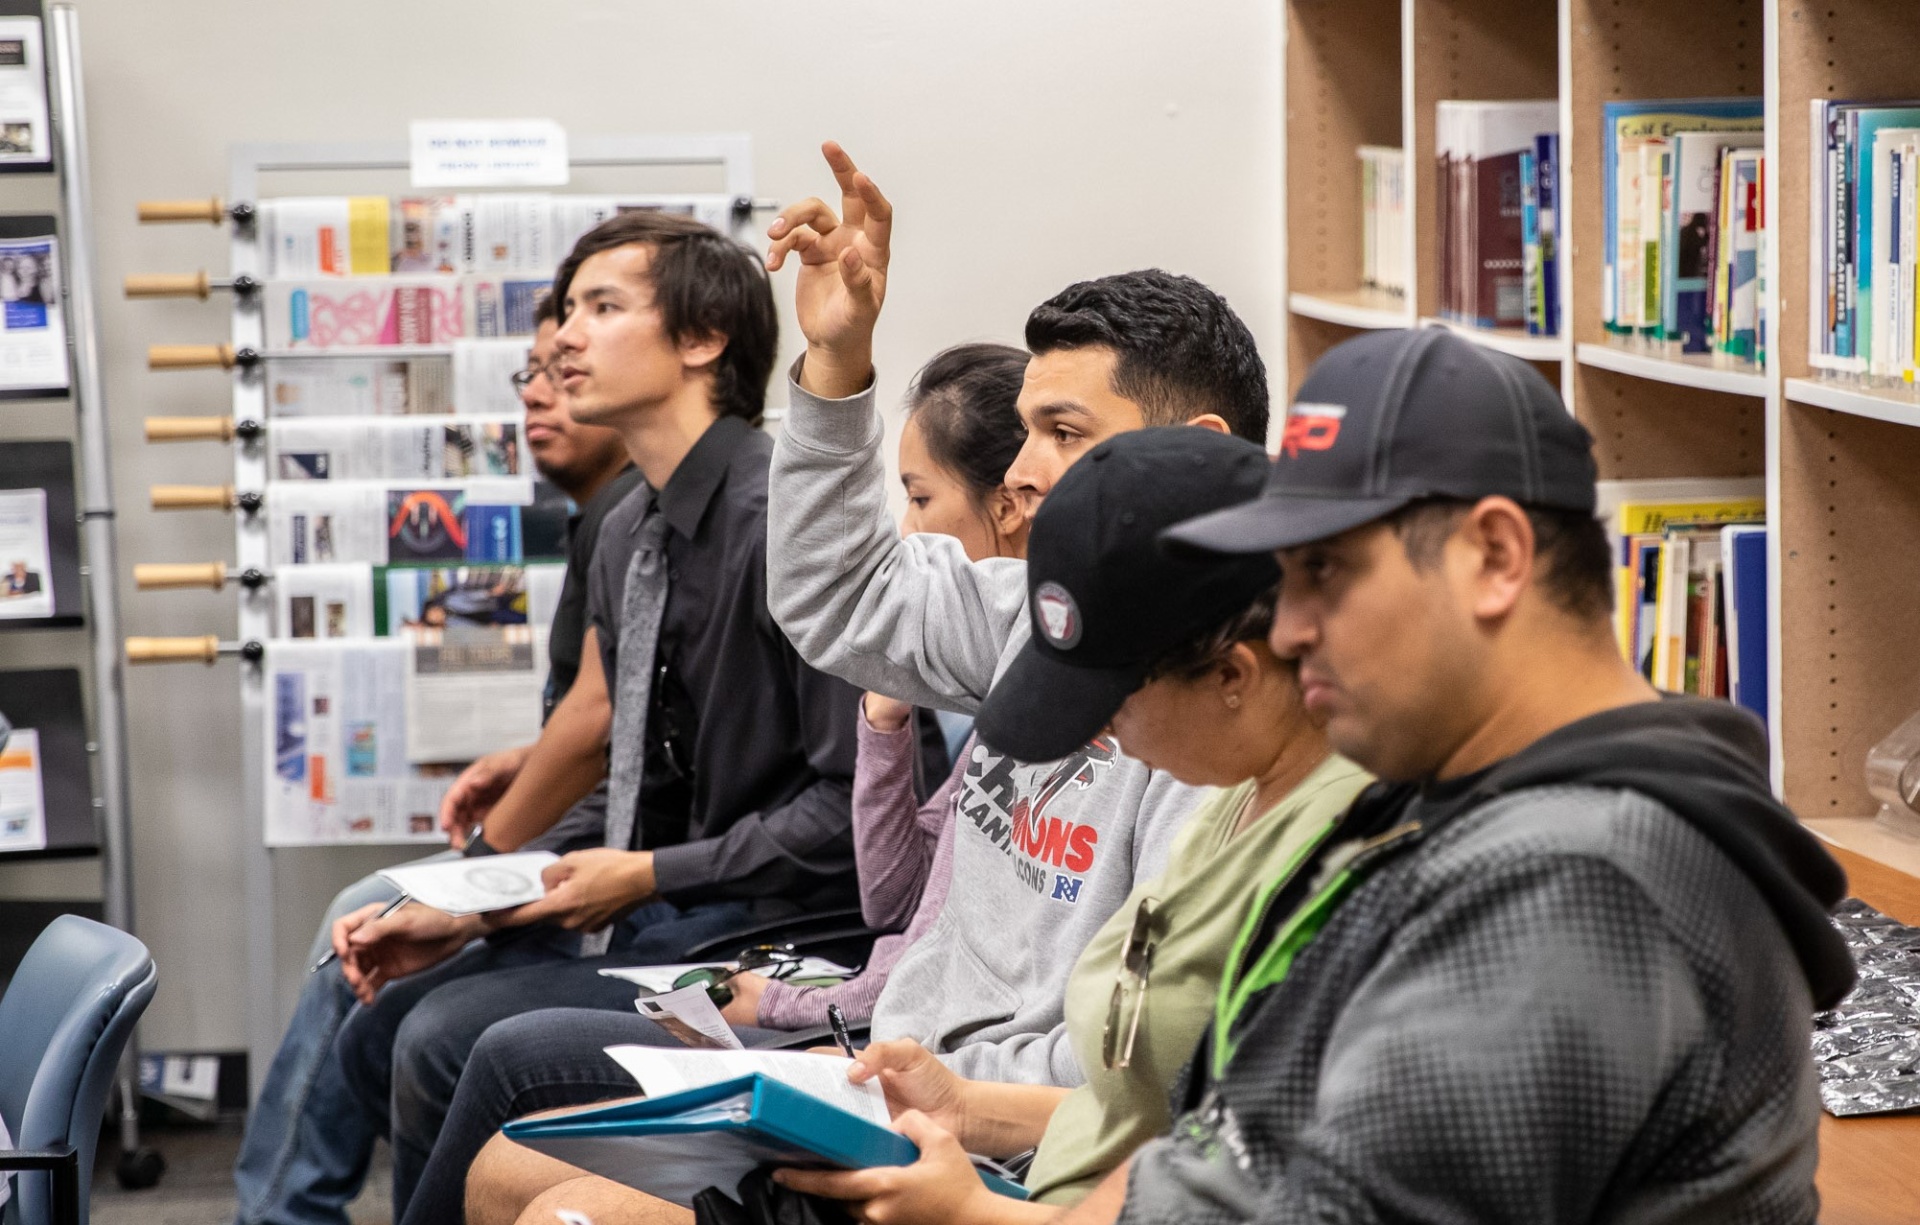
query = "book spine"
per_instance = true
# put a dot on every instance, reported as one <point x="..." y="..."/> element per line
<point x="1547" y="167"/>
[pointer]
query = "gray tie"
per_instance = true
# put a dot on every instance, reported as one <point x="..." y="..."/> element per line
<point x="642" y="602"/>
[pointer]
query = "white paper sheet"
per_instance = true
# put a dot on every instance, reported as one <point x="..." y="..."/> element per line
<point x="663" y="1070"/>
<point x="689" y="1015"/>
<point x="26" y="561"/>
<point x="472" y="691"/>
<point x="33" y="323"/>
<point x="474" y="886"/>
<point x="23" y="810"/>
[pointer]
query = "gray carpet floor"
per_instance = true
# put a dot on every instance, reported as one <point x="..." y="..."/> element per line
<point x="198" y="1186"/>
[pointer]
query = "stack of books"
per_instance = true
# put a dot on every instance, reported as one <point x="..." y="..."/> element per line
<point x="1492" y="158"/>
<point x="1684" y="187"/>
<point x="1866" y="157"/>
<point x="1691" y="608"/>
<point x="1383" y="215"/>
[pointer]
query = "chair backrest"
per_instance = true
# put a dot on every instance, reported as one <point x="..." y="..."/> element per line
<point x="64" y="1022"/>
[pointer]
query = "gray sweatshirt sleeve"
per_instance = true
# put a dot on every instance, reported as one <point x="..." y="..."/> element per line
<point x="912" y="618"/>
<point x="1494" y="1066"/>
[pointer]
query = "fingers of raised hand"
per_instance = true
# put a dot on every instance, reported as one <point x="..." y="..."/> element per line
<point x="878" y="210"/>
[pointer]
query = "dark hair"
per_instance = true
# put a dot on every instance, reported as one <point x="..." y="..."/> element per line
<point x="705" y="284"/>
<point x="546" y="309"/>
<point x="1193" y="658"/>
<point x="1182" y="351"/>
<point x="964" y="401"/>
<point x="1578" y="571"/>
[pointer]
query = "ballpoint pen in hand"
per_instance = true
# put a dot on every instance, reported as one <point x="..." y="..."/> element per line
<point x="333" y="956"/>
<point x="837" y="1021"/>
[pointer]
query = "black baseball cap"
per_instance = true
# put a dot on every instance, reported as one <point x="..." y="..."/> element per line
<point x="1392" y="417"/>
<point x="1107" y="600"/>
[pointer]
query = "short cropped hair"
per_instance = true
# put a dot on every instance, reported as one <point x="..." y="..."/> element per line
<point x="705" y="284"/>
<point x="1181" y="350"/>
<point x="1577" y="574"/>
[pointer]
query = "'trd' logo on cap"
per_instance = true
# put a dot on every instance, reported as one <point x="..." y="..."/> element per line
<point x="1059" y="615"/>
<point x="1311" y="427"/>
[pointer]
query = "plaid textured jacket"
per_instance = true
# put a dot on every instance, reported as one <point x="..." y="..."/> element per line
<point x="1548" y="1002"/>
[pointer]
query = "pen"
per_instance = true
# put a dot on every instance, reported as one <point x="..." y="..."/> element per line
<point x="332" y="956"/>
<point x="837" y="1021"/>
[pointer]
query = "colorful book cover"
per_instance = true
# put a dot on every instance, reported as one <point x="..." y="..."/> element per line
<point x="1547" y="191"/>
<point x="1530" y="240"/>
<point x="1743" y="288"/>
<point x="1693" y="220"/>
<point x="1863" y="124"/>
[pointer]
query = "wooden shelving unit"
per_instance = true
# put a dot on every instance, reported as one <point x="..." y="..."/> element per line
<point x="1841" y="460"/>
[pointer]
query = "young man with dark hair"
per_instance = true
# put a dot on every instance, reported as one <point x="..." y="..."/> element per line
<point x="1561" y="965"/>
<point x="728" y="761"/>
<point x="307" y="1143"/>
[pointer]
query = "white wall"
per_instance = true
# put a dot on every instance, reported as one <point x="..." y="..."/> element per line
<point x="1025" y="144"/>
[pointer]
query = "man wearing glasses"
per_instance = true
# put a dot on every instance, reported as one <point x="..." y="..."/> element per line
<point x="308" y="1143"/>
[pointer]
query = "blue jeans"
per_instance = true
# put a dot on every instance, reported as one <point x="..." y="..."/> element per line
<point x="535" y="1061"/>
<point x="305" y="1153"/>
<point x="403" y="1056"/>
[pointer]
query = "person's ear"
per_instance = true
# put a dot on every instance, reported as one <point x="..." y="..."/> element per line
<point x="1211" y="421"/>
<point x="1497" y="544"/>
<point x="1008" y="518"/>
<point x="697" y="352"/>
<point x="1236" y="672"/>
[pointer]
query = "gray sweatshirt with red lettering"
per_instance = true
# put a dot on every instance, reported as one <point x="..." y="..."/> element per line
<point x="1043" y="854"/>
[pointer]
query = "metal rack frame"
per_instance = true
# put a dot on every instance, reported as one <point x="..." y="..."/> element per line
<point x="733" y="152"/>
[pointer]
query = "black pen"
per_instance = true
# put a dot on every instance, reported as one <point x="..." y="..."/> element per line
<point x="837" y="1021"/>
<point x="332" y="956"/>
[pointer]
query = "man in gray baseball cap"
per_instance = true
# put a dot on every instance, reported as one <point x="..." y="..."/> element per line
<point x="1560" y="965"/>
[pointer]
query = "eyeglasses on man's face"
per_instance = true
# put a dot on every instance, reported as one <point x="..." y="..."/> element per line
<point x="523" y="379"/>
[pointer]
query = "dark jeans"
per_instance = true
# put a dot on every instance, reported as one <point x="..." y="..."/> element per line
<point x="536" y="1061"/>
<point x="403" y="1056"/>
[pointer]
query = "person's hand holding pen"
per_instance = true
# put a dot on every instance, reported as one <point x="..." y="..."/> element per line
<point x="376" y="948"/>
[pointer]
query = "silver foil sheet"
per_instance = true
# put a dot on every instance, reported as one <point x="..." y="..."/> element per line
<point x="1868" y="1049"/>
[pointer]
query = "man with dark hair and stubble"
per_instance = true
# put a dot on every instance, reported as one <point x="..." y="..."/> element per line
<point x="307" y="1144"/>
<point x="1560" y="964"/>
<point x="727" y="760"/>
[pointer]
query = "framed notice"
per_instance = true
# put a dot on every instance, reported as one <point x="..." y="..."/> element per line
<point x="39" y="537"/>
<point x="26" y="125"/>
<point x="46" y="781"/>
<point x="33" y="311"/>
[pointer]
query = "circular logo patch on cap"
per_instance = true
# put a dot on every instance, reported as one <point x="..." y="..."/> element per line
<point x="1059" y="615"/>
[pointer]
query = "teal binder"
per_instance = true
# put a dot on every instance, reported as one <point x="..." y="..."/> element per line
<point x="675" y="1146"/>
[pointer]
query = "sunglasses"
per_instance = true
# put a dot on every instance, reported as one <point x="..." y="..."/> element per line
<point x="775" y="961"/>
<point x="1130" y="984"/>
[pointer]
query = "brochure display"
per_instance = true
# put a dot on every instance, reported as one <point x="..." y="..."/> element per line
<point x="46" y="792"/>
<point x="39" y="537"/>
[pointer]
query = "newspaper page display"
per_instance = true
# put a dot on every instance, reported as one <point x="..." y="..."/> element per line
<point x="362" y="387"/>
<point x="483" y="373"/>
<point x="327" y="449"/>
<point x="26" y="136"/>
<point x="23" y="808"/>
<point x="33" y="327"/>
<point x="336" y="732"/>
<point x="324" y="602"/>
<point x="471" y="691"/>
<point x="26" y="565"/>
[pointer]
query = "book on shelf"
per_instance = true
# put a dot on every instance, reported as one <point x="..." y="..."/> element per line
<point x="1677" y="615"/>
<point x="1483" y="153"/>
<point x="1860" y="249"/>
<point x="1383" y="212"/>
<point x="1671" y="220"/>
<point x="1539" y="233"/>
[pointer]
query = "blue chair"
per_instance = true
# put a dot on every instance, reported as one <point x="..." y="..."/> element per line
<point x="64" y="1023"/>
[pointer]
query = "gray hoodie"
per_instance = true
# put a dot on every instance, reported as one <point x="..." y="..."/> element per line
<point x="1043" y="853"/>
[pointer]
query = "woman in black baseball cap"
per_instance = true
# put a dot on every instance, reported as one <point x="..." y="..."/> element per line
<point x="1169" y="657"/>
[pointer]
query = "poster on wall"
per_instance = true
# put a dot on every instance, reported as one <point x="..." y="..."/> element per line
<point x="26" y="130"/>
<point x="33" y="322"/>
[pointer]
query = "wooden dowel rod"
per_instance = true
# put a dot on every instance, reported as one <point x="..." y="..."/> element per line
<point x="204" y="649"/>
<point x="189" y="357"/>
<point x="169" y="285"/>
<point x="189" y="429"/>
<point x="211" y="210"/>
<point x="165" y="576"/>
<point x="192" y="497"/>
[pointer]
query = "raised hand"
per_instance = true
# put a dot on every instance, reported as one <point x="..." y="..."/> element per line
<point x="843" y="275"/>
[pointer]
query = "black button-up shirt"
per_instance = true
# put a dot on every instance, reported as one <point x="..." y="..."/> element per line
<point x="754" y="801"/>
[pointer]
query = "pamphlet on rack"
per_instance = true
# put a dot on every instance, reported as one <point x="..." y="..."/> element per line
<point x="23" y="809"/>
<point x="33" y="325"/>
<point x="336" y="728"/>
<point x="324" y="601"/>
<point x="362" y="387"/>
<point x="26" y="559"/>
<point x="26" y="135"/>
<point x="474" y="886"/>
